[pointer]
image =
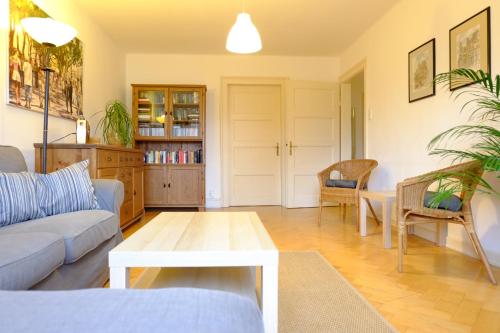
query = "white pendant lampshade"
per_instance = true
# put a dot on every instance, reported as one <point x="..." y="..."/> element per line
<point x="48" y="31"/>
<point x="243" y="37"/>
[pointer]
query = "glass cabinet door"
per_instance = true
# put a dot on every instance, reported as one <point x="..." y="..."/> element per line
<point x="150" y="113"/>
<point x="186" y="115"/>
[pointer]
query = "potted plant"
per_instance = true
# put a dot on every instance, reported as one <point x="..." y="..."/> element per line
<point x="481" y="132"/>
<point x="116" y="125"/>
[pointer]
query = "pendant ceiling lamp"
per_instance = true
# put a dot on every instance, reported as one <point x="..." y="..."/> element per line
<point x="243" y="38"/>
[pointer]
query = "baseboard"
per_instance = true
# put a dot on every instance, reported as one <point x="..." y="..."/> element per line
<point x="455" y="243"/>
<point x="465" y="247"/>
<point x="213" y="203"/>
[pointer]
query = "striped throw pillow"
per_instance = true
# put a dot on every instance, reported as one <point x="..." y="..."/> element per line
<point x="18" y="201"/>
<point x="66" y="190"/>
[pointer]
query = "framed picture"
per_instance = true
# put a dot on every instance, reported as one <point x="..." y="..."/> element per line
<point x="470" y="45"/>
<point x="421" y="71"/>
<point x="26" y="78"/>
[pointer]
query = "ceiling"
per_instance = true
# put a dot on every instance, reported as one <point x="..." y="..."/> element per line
<point x="287" y="27"/>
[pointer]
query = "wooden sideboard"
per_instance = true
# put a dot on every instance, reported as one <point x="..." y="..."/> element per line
<point x="105" y="162"/>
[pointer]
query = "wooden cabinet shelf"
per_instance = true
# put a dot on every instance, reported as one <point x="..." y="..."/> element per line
<point x="163" y="139"/>
<point x="174" y="131"/>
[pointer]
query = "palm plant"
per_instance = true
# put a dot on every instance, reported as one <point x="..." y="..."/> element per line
<point x="481" y="132"/>
<point x="116" y="124"/>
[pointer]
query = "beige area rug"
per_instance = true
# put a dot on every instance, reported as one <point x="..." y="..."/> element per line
<point x="314" y="297"/>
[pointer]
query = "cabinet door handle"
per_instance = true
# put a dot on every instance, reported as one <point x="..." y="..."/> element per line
<point x="277" y="149"/>
<point x="164" y="185"/>
<point x="168" y="185"/>
<point x="291" y="146"/>
<point x="135" y="192"/>
<point x="108" y="159"/>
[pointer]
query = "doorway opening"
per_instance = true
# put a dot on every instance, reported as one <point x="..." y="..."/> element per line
<point x="352" y="124"/>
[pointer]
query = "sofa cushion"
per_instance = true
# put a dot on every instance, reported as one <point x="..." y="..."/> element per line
<point x="18" y="198"/>
<point x="101" y="310"/>
<point x="344" y="183"/>
<point x="12" y="160"/>
<point x="28" y="258"/>
<point x="66" y="190"/>
<point x="452" y="203"/>
<point x="82" y="231"/>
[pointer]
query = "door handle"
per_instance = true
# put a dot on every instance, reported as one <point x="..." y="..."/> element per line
<point x="291" y="146"/>
<point x="277" y="149"/>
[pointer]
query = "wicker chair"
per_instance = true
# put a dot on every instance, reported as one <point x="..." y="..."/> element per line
<point x="411" y="209"/>
<point x="358" y="170"/>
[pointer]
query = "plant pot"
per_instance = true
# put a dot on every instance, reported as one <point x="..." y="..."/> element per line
<point x="113" y="139"/>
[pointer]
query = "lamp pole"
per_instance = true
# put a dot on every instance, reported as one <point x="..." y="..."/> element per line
<point x="47" y="70"/>
<point x="50" y="34"/>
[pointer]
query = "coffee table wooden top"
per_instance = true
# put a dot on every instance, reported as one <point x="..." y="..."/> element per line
<point x="197" y="239"/>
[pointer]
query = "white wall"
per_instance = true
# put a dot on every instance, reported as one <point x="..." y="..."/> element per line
<point x="208" y="70"/>
<point x="103" y="77"/>
<point x="399" y="131"/>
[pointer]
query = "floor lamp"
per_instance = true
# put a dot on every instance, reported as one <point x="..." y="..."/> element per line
<point x="50" y="34"/>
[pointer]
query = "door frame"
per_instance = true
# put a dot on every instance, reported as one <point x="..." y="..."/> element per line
<point x="344" y="78"/>
<point x="227" y="81"/>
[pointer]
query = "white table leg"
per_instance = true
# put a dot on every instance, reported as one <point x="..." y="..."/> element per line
<point x="270" y="298"/>
<point x="386" y="223"/>
<point x="442" y="233"/>
<point x="362" y="217"/>
<point x="119" y="277"/>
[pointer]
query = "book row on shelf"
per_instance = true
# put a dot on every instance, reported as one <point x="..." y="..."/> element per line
<point x="173" y="157"/>
<point x="178" y="130"/>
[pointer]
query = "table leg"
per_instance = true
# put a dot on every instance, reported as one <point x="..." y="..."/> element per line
<point x="386" y="224"/>
<point x="119" y="277"/>
<point x="270" y="298"/>
<point x="362" y="217"/>
<point x="441" y="233"/>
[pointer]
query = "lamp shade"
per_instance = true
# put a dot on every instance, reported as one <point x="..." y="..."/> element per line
<point x="48" y="31"/>
<point x="243" y="37"/>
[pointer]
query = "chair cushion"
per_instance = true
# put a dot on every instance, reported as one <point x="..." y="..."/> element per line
<point x="452" y="203"/>
<point x="28" y="258"/>
<point x="82" y="231"/>
<point x="344" y="183"/>
<point x="66" y="190"/>
<point x="18" y="201"/>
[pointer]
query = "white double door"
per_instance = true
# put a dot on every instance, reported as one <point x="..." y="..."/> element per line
<point x="279" y="137"/>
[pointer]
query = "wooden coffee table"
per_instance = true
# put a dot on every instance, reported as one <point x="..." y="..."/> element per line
<point x="203" y="239"/>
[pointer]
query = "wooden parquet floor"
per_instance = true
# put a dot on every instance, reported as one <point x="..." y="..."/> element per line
<point x="441" y="290"/>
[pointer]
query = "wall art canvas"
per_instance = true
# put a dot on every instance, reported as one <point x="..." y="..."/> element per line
<point x="470" y="45"/>
<point x="421" y="71"/>
<point x="26" y="78"/>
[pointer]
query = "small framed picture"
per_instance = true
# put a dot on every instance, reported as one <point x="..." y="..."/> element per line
<point x="421" y="71"/>
<point x="470" y="45"/>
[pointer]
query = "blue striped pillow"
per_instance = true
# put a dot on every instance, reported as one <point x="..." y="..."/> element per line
<point x="66" y="190"/>
<point x="18" y="201"/>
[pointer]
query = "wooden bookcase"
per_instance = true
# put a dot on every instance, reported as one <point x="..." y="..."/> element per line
<point x="169" y="123"/>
